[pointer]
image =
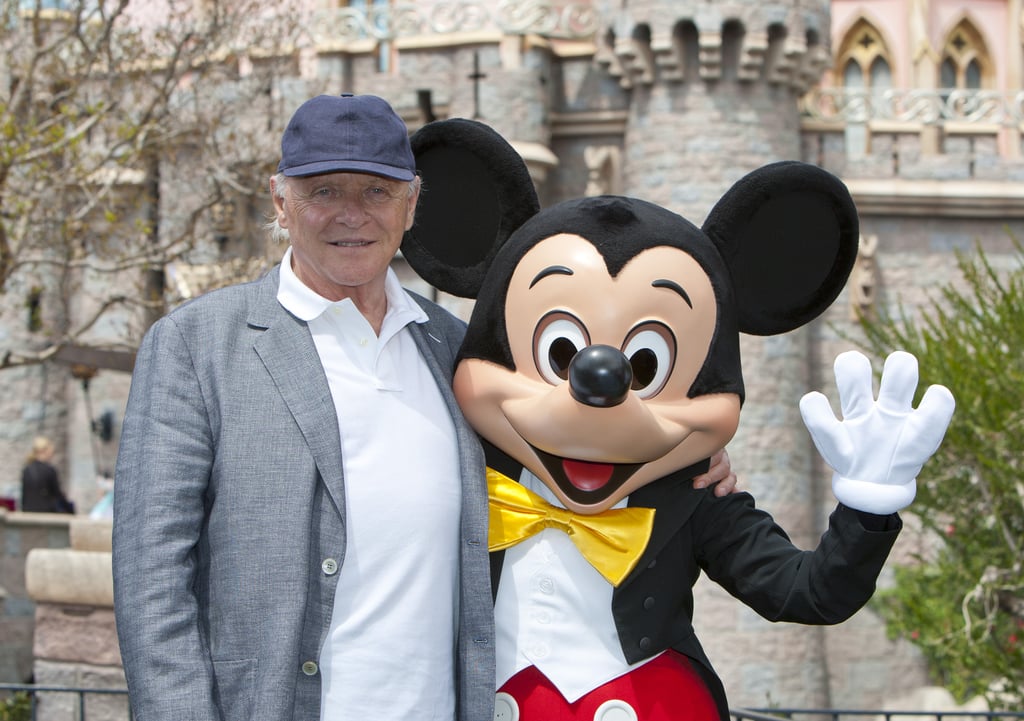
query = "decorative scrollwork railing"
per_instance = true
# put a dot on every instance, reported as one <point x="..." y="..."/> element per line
<point x="930" y="107"/>
<point x="515" y="17"/>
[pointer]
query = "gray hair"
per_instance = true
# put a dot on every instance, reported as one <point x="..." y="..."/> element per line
<point x="279" y="234"/>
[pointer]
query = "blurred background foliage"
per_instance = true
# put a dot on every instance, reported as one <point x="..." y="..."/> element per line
<point x="962" y="603"/>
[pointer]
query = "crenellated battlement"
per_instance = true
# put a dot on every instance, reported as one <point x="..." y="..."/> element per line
<point x="645" y="58"/>
<point x="781" y="43"/>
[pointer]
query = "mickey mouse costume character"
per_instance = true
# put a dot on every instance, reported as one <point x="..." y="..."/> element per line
<point x="602" y="367"/>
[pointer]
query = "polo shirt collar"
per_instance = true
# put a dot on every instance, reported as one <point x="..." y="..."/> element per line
<point x="306" y="304"/>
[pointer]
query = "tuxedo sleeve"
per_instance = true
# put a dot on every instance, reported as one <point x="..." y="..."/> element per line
<point x="744" y="550"/>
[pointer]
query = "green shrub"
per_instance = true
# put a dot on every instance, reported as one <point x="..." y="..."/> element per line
<point x="962" y="603"/>
<point x="16" y="708"/>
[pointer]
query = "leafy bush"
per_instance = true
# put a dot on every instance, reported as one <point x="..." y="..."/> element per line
<point x="962" y="603"/>
<point x="16" y="708"/>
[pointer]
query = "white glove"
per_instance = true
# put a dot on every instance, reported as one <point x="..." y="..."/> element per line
<point x="878" y="448"/>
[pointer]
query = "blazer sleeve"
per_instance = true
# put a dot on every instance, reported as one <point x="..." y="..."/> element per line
<point x="163" y="467"/>
<point x="742" y="548"/>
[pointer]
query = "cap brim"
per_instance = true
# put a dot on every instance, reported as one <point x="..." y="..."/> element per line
<point x="349" y="166"/>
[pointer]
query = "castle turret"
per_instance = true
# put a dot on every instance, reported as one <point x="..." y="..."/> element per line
<point x="715" y="85"/>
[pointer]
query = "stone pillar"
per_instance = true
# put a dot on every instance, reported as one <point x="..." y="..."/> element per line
<point x="926" y="60"/>
<point x="20" y="534"/>
<point x="714" y="94"/>
<point x="75" y="637"/>
<point x="1015" y="68"/>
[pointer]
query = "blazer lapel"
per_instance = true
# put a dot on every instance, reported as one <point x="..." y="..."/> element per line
<point x="287" y="350"/>
<point x="439" y="356"/>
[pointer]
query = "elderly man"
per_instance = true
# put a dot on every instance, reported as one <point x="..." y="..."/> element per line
<point x="300" y="513"/>
<point x="300" y="524"/>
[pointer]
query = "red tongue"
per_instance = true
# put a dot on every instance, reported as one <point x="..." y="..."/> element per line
<point x="587" y="476"/>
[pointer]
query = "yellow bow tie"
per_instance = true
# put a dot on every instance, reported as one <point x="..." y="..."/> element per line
<point x="612" y="541"/>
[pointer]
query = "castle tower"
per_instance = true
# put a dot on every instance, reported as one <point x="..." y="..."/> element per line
<point x="715" y="84"/>
<point x="713" y="93"/>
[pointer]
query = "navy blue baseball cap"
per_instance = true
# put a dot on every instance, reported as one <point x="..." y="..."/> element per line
<point x="346" y="133"/>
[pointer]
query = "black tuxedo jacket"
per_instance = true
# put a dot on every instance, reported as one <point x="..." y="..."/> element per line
<point x="742" y="549"/>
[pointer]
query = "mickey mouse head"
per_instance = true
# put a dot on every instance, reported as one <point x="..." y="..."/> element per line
<point x="603" y="349"/>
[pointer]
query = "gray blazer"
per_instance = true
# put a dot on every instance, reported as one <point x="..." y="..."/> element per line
<point x="229" y="498"/>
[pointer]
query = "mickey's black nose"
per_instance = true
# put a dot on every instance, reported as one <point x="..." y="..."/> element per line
<point x="600" y="376"/>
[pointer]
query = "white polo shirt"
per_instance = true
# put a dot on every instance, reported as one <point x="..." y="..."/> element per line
<point x="390" y="650"/>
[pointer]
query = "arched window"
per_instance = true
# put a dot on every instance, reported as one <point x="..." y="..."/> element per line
<point x="733" y="33"/>
<point x="947" y="74"/>
<point x="965" y="60"/>
<point x="863" y="58"/>
<point x="853" y="76"/>
<point x="687" y="43"/>
<point x="864" y="70"/>
<point x="881" y="77"/>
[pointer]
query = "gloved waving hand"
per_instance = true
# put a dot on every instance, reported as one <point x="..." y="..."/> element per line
<point x="879" y="446"/>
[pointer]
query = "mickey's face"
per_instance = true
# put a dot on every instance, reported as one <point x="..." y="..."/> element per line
<point x="598" y="404"/>
<point x="603" y="349"/>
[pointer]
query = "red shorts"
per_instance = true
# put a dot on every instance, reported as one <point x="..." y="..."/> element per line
<point x="665" y="689"/>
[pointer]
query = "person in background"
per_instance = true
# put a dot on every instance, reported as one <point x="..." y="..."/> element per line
<point x="300" y="513"/>
<point x="40" y="484"/>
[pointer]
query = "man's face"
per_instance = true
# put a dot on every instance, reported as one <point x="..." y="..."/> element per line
<point x="344" y="228"/>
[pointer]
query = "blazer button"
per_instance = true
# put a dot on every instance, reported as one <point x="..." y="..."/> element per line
<point x="310" y="668"/>
<point x="649" y="603"/>
<point x="645" y="644"/>
<point x="329" y="566"/>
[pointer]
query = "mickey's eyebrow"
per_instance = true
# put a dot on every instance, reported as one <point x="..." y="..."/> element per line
<point x="552" y="270"/>
<point x="672" y="285"/>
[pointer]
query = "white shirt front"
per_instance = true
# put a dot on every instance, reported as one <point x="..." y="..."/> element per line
<point x="554" y="611"/>
<point x="390" y="649"/>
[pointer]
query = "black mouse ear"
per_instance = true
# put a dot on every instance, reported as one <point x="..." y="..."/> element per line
<point x="789" y="233"/>
<point x="476" y="192"/>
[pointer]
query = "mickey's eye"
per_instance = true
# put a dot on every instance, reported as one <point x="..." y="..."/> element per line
<point x="557" y="338"/>
<point x="651" y="350"/>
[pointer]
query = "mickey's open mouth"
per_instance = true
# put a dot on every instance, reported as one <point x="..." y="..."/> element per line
<point x="586" y="482"/>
